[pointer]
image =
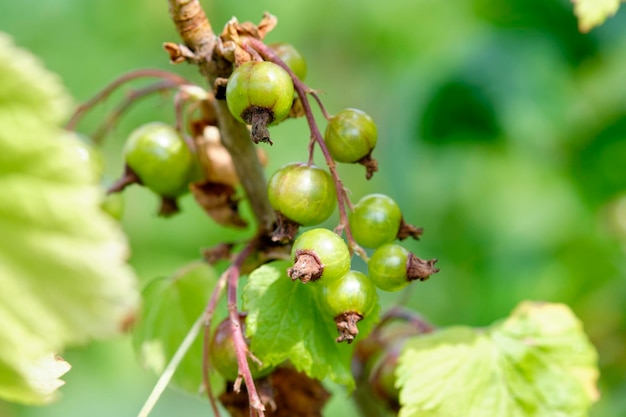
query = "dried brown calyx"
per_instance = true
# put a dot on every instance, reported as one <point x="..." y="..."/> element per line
<point x="286" y="229"/>
<point x="420" y="269"/>
<point x="408" y="230"/>
<point x="307" y="266"/>
<point x="370" y="164"/>
<point x="346" y="326"/>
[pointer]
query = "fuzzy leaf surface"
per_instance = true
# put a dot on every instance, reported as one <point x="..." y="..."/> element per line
<point x="63" y="276"/>
<point x="284" y="323"/>
<point x="536" y="363"/>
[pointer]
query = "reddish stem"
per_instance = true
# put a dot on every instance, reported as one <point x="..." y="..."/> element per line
<point x="109" y="89"/>
<point x="320" y="104"/>
<point x="131" y="98"/>
<point x="268" y="54"/>
<point x="241" y="347"/>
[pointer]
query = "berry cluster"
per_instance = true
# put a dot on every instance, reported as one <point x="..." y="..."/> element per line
<point x="265" y="87"/>
<point x="260" y="93"/>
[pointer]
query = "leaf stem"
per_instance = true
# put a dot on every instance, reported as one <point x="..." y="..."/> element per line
<point x="171" y="367"/>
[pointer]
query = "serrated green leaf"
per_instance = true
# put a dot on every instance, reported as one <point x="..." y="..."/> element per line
<point x="592" y="13"/>
<point x="284" y="323"/>
<point x="536" y="363"/>
<point x="63" y="276"/>
<point x="170" y="308"/>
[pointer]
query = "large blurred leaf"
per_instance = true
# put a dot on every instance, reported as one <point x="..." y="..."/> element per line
<point x="63" y="279"/>
<point x="285" y="323"/>
<point x="592" y="13"/>
<point x="170" y="308"/>
<point x="536" y="363"/>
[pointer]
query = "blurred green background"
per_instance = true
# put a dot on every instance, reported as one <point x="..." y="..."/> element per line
<point x="502" y="131"/>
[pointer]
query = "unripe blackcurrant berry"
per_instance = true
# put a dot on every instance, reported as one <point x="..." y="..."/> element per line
<point x="375" y="220"/>
<point x="259" y="93"/>
<point x="305" y="194"/>
<point x="160" y="158"/>
<point x="348" y="300"/>
<point x="319" y="254"/>
<point x="351" y="136"/>
<point x="392" y="267"/>
<point x="223" y="356"/>
<point x="290" y="56"/>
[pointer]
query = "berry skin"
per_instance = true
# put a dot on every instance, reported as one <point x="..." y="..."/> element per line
<point x="387" y="267"/>
<point x="304" y="194"/>
<point x="354" y="292"/>
<point x="160" y="158"/>
<point x="291" y="57"/>
<point x="259" y="93"/>
<point x="392" y="267"/>
<point x="223" y="356"/>
<point x="113" y="205"/>
<point x="348" y="300"/>
<point x="375" y="220"/>
<point x="351" y="135"/>
<point x="319" y="254"/>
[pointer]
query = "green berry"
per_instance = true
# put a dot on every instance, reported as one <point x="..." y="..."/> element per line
<point x="348" y="300"/>
<point x="304" y="194"/>
<point x="392" y="267"/>
<point x="319" y="254"/>
<point x="388" y="267"/>
<point x="113" y="205"/>
<point x="351" y="135"/>
<point x="223" y="356"/>
<point x="160" y="157"/>
<point x="259" y="93"/>
<point x="354" y="292"/>
<point x="375" y="220"/>
<point x="292" y="58"/>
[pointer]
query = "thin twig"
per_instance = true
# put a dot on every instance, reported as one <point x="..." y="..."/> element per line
<point x="109" y="89"/>
<point x="131" y="99"/>
<point x="320" y="104"/>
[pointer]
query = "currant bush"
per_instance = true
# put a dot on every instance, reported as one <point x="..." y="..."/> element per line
<point x="375" y="220"/>
<point x="218" y="161"/>
<point x="319" y="254"/>
<point x="305" y="194"/>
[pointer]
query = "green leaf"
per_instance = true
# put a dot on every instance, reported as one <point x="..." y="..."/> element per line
<point x="170" y="308"/>
<point x="536" y="363"/>
<point x="592" y="13"/>
<point x="284" y="323"/>
<point x="29" y="92"/>
<point x="63" y="276"/>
